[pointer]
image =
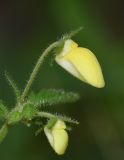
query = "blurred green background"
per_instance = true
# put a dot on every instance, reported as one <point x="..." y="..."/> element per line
<point x="26" y="28"/>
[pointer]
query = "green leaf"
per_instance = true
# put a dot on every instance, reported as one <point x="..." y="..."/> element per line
<point x="72" y="33"/>
<point x="52" y="97"/>
<point x="12" y="84"/>
<point x="3" y="111"/>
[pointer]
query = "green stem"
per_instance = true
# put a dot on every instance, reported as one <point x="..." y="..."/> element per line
<point x="50" y="116"/>
<point x="36" y="69"/>
<point x="41" y="60"/>
<point x="3" y="132"/>
<point x="46" y="115"/>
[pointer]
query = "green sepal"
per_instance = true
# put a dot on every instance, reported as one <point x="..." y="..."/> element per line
<point x="12" y="83"/>
<point x="51" y="123"/>
<point x="29" y="111"/>
<point x="72" y="33"/>
<point x="58" y="49"/>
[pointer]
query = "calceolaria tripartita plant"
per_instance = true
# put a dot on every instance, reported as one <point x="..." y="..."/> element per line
<point x="78" y="61"/>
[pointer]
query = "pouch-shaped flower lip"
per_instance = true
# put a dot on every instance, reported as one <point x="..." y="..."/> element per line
<point x="57" y="137"/>
<point x="81" y="63"/>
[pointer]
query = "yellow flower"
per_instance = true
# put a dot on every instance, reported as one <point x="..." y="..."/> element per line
<point x="81" y="63"/>
<point x="57" y="137"/>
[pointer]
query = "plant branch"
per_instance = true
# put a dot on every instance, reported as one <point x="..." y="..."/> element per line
<point x="3" y="132"/>
<point x="50" y="115"/>
<point x="36" y="69"/>
<point x="41" y="60"/>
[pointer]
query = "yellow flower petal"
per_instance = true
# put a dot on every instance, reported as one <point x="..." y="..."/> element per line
<point x="60" y="138"/>
<point x="68" y="46"/>
<point x="49" y="135"/>
<point x="87" y="66"/>
<point x="57" y="137"/>
<point x="81" y="63"/>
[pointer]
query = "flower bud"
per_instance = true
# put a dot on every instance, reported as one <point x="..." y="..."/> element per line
<point x="81" y="63"/>
<point x="57" y="137"/>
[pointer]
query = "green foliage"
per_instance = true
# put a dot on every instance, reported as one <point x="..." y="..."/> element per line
<point x="51" y="123"/>
<point x="72" y="33"/>
<point x="14" y="117"/>
<point x="52" y="97"/>
<point x="58" y="49"/>
<point x="27" y="107"/>
<point x="12" y="84"/>
<point x="3" y="111"/>
<point x="29" y="111"/>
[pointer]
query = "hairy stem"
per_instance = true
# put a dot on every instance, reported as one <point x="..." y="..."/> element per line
<point x="57" y="116"/>
<point x="41" y="60"/>
<point x="36" y="69"/>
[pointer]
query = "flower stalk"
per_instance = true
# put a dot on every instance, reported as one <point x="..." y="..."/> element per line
<point x="36" y="69"/>
<point x="41" y="60"/>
